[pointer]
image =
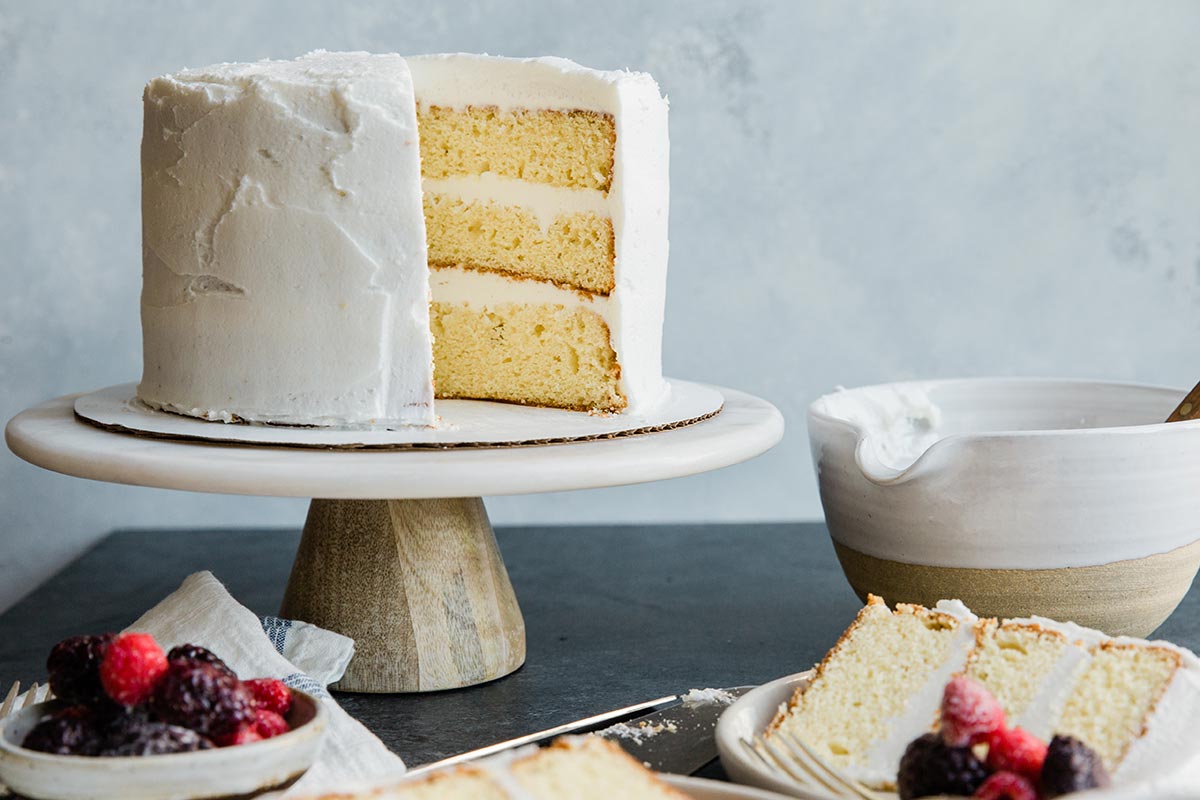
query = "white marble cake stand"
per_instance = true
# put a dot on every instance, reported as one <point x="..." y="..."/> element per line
<point x="416" y="580"/>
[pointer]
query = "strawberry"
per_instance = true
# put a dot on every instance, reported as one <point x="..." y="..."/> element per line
<point x="132" y="667"/>
<point x="1006" y="786"/>
<point x="1016" y="750"/>
<point x="969" y="712"/>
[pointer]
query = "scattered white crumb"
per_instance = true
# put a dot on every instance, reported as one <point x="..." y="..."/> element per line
<point x="639" y="732"/>
<point x="706" y="697"/>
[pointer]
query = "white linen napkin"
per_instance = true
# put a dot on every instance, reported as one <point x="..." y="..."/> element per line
<point x="201" y="611"/>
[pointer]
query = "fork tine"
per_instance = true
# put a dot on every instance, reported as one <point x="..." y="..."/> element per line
<point x="752" y="749"/>
<point x="10" y="700"/>
<point x="799" y="771"/>
<point x="816" y="760"/>
<point x="31" y="696"/>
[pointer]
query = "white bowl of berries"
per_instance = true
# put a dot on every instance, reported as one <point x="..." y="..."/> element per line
<point x="134" y="722"/>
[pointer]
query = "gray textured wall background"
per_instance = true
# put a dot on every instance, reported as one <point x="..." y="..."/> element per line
<point x="861" y="192"/>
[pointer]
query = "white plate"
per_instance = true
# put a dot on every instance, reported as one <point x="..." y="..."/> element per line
<point x="701" y="789"/>
<point x="226" y="771"/>
<point x="753" y="711"/>
<point x="461" y="423"/>
<point x="748" y="717"/>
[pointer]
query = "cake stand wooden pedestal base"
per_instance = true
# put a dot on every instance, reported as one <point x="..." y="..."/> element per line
<point x="418" y="584"/>
<point x="416" y="581"/>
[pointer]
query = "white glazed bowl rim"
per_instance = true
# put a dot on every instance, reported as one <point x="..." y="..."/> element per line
<point x="814" y="411"/>
<point x="883" y="474"/>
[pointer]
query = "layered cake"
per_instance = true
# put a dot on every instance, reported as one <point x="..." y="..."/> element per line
<point x="575" y="767"/>
<point x="881" y="686"/>
<point x="343" y="237"/>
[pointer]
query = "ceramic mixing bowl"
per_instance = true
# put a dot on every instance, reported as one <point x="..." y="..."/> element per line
<point x="1066" y="499"/>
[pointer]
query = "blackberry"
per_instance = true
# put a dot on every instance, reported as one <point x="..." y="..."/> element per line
<point x="196" y="653"/>
<point x="70" y="732"/>
<point x="146" y="738"/>
<point x="202" y="697"/>
<point x="930" y="767"/>
<point x="1071" y="766"/>
<point x="74" y="668"/>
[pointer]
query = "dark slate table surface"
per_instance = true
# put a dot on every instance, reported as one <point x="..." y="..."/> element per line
<point x="614" y="615"/>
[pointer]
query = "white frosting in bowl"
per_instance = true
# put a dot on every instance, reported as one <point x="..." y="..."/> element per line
<point x="898" y="422"/>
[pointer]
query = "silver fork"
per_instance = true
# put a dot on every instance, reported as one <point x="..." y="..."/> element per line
<point x="797" y="762"/>
<point x="14" y="701"/>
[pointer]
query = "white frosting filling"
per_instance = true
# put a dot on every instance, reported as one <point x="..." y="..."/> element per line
<point x="1050" y="699"/>
<point x="883" y="758"/>
<point x="544" y="201"/>
<point x="484" y="289"/>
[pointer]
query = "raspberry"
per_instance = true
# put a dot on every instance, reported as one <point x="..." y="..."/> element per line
<point x="269" y="724"/>
<point x="72" y="731"/>
<point x="74" y="668"/>
<point x="1071" y="766"/>
<point x="930" y="767"/>
<point x="1016" y="750"/>
<point x="969" y="712"/>
<point x="196" y="653"/>
<point x="1006" y="786"/>
<point x="271" y="694"/>
<point x="146" y="738"/>
<point x="132" y="667"/>
<point x="202" y="697"/>
<point x="244" y="735"/>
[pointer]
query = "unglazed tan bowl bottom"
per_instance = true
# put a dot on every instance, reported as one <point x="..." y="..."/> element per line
<point x="1129" y="598"/>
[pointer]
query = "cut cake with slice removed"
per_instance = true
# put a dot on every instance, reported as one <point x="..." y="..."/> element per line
<point x="570" y="768"/>
<point x="880" y="686"/>
<point x="340" y="238"/>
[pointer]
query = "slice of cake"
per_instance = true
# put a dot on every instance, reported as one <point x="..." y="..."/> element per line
<point x="879" y="688"/>
<point x="574" y="767"/>
<point x="1031" y="669"/>
<point x="880" y="682"/>
<point x="327" y="239"/>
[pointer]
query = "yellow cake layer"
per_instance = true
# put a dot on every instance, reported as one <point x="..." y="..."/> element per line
<point x="465" y="783"/>
<point x="539" y="354"/>
<point x="1013" y="660"/>
<point x="560" y="148"/>
<point x="577" y="250"/>
<point x="1115" y="696"/>
<point x="590" y="769"/>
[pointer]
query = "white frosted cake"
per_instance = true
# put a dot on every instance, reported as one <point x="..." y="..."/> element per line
<point x="341" y="238"/>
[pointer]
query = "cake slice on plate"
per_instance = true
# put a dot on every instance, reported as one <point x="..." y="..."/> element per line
<point x="881" y="686"/>
<point x="882" y="681"/>
<point x="574" y="767"/>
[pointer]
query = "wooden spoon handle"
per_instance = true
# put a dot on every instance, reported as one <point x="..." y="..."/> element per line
<point x="1189" y="408"/>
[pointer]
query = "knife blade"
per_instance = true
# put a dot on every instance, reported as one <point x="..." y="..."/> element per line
<point x="678" y="739"/>
<point x="585" y="725"/>
<point x="694" y="720"/>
